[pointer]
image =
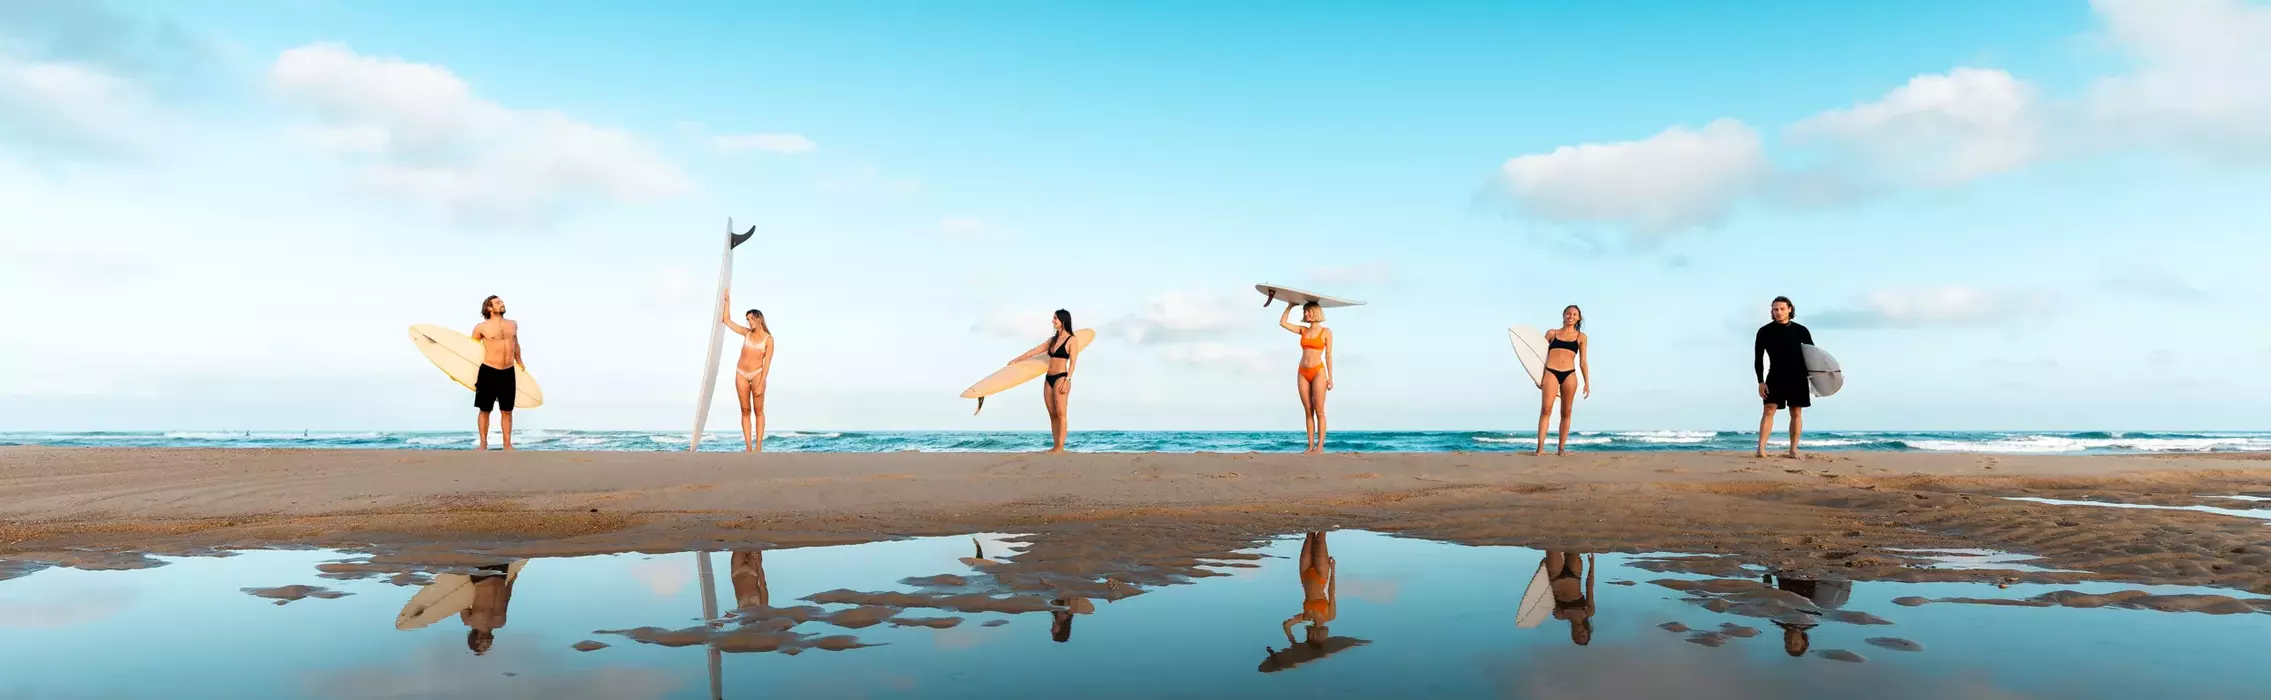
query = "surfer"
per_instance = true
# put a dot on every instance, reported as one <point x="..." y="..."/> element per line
<point x="500" y="353"/>
<point x="1319" y="586"/>
<point x="747" y="570"/>
<point x="1056" y="389"/>
<point x="1570" y="602"/>
<point x="1565" y="365"/>
<point x="750" y="373"/>
<point x="1314" y="376"/>
<point x="1778" y="344"/>
<point x="492" y="592"/>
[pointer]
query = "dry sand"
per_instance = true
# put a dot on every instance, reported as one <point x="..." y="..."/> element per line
<point x="1142" y="517"/>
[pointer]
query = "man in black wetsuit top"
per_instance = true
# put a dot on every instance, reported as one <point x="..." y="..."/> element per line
<point x="1784" y="386"/>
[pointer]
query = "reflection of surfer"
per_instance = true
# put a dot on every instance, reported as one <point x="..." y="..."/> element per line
<point x="1825" y="595"/>
<point x="1572" y="598"/>
<point x="747" y="569"/>
<point x="1314" y="376"/>
<point x="1056" y="389"/>
<point x="500" y="353"/>
<point x="750" y="374"/>
<point x="492" y="592"/>
<point x="1319" y="590"/>
<point x="1566" y="347"/>
<point x="1778" y="343"/>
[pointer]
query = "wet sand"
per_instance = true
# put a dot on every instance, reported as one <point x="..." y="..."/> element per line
<point x="1836" y="512"/>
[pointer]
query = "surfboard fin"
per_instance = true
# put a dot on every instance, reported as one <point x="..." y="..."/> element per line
<point x="981" y="405"/>
<point x="739" y="238"/>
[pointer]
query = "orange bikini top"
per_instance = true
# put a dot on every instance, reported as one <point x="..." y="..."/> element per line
<point x="1316" y="342"/>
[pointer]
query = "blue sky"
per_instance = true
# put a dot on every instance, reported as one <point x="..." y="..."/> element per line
<point x="1999" y="215"/>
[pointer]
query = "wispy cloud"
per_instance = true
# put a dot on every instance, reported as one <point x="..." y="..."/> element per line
<point x="1939" y="129"/>
<point x="1948" y="306"/>
<point x="82" y="80"/>
<point x="1235" y="359"/>
<point x="1185" y="316"/>
<point x="1679" y="178"/>
<point x="780" y="144"/>
<point x="2150" y="282"/>
<point x="1365" y="274"/>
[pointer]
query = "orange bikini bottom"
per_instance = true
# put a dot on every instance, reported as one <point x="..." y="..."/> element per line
<point x="1309" y="373"/>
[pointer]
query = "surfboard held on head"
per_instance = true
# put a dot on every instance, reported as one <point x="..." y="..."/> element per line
<point x="1020" y="372"/>
<point x="459" y="356"/>
<point x="1295" y="297"/>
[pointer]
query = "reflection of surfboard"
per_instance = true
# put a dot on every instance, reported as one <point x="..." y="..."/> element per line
<point x="459" y="356"/>
<point x="1020" y="372"/>
<point x="1529" y="347"/>
<point x="1822" y="371"/>
<point x="449" y="594"/>
<point x="717" y="333"/>
<point x="1537" y="601"/>
<point x="1296" y="297"/>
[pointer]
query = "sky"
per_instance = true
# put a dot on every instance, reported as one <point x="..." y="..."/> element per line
<point x="2012" y="215"/>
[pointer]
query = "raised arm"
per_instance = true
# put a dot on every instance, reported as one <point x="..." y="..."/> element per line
<point x="1281" y="319"/>
<point x="725" y="316"/>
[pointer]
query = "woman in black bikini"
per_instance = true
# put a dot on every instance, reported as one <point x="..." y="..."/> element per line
<point x="1565" y="365"/>
<point x="1056" y="388"/>
<point x="1571" y="576"/>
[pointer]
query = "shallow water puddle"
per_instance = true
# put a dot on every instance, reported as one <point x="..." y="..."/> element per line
<point x="1977" y="560"/>
<point x="1327" y="615"/>
<point x="2258" y="514"/>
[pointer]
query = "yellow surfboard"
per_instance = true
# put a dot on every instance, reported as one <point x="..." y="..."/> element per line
<point x="459" y="356"/>
<point x="1020" y="372"/>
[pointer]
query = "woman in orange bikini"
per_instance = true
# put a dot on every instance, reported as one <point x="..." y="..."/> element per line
<point x="1314" y="377"/>
<point x="1319" y="579"/>
<point x="1056" y="388"/>
<point x="749" y="375"/>
<point x="1565" y="366"/>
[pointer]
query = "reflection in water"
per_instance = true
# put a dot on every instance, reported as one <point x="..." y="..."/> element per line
<point x="1825" y="595"/>
<point x="1571" y="580"/>
<point x="1319" y="607"/>
<point x="479" y="600"/>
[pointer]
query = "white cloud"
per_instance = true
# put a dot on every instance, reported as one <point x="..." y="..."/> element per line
<point x="783" y="144"/>
<point x="1940" y="129"/>
<point x="1679" y="178"/>
<point x="2203" y="76"/>
<point x="1183" y="316"/>
<point x="421" y="133"/>
<point x="1368" y="273"/>
<point x="51" y="107"/>
<point x="1951" y="306"/>
<point x="664" y="576"/>
<point x="1216" y="356"/>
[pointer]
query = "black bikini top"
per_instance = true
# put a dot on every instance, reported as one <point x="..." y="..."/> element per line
<point x="1553" y="344"/>
<point x="1062" y="351"/>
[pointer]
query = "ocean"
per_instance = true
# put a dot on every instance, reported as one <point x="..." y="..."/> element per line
<point x="2029" y="442"/>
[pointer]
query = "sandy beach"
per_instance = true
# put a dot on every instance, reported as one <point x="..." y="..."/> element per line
<point x="1845" y="512"/>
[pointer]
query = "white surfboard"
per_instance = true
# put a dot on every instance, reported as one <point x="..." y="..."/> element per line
<point x="717" y="334"/>
<point x="447" y="595"/>
<point x="1822" y="371"/>
<point x="1529" y="347"/>
<point x="1296" y="297"/>
<point x="1537" y="601"/>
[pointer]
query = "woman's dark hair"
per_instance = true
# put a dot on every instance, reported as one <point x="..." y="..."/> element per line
<point x="1064" y="318"/>
<point x="485" y="305"/>
<point x="1785" y="301"/>
<point x="760" y="319"/>
<point x="1580" y="317"/>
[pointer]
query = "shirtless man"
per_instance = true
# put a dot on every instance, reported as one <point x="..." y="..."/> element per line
<point x="500" y="353"/>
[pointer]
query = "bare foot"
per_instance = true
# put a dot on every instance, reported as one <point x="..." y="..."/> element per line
<point x="1761" y="454"/>
<point x="508" y="448"/>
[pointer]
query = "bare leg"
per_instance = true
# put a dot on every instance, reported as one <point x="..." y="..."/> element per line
<point x="1797" y="426"/>
<point x="1547" y="391"/>
<point x="1317" y="401"/>
<point x="1308" y="413"/>
<point x="505" y="426"/>
<point x="1064" y="414"/>
<point x="1568" y="403"/>
<point x="757" y="402"/>
<point x="1055" y="403"/>
<point x="481" y="428"/>
<point x="1765" y="428"/>
<point x="741" y="391"/>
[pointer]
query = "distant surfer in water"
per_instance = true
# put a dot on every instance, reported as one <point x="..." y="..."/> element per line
<point x="1314" y="376"/>
<point x="500" y="353"/>
<point x="1056" y="388"/>
<point x="750" y="373"/>
<point x="1565" y="366"/>
<point x="1778" y="344"/>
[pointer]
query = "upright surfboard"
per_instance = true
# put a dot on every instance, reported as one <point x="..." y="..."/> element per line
<point x="1529" y="347"/>
<point x="1021" y="372"/>
<point x="1822" y="371"/>
<point x="717" y="334"/>
<point x="1296" y="297"/>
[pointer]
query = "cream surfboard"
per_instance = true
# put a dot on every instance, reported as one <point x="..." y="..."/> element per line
<point x="1530" y="348"/>
<point x="1822" y="371"/>
<point x="459" y="356"/>
<point x="1020" y="372"/>
<point x="1296" y="297"/>
<point x="447" y="595"/>
<point x="717" y="334"/>
<point x="1537" y="601"/>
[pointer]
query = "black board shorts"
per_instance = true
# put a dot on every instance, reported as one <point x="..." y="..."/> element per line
<point x="493" y="387"/>
<point x="1788" y="393"/>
